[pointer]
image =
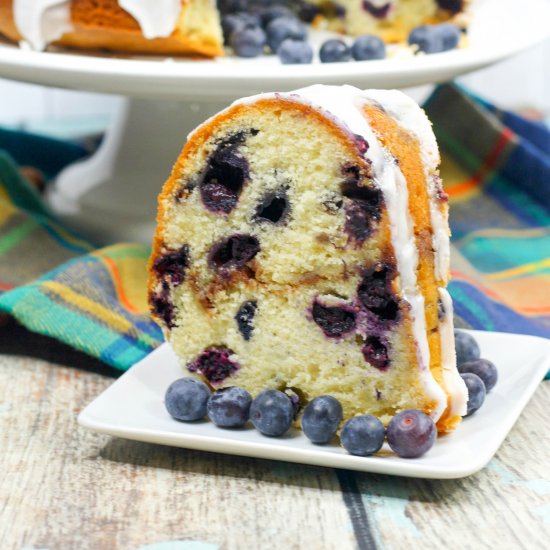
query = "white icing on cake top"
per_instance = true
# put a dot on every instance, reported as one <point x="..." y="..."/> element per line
<point x="43" y="21"/>
<point x="156" y="18"/>
<point x="40" y="22"/>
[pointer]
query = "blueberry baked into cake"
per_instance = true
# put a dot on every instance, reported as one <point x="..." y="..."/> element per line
<point x="302" y="244"/>
<point x="392" y="20"/>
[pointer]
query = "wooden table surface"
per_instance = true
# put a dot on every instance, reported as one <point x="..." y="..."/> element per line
<point x="62" y="487"/>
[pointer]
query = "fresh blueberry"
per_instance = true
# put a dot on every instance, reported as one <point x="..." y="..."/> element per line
<point x="450" y="34"/>
<point x="295" y="52"/>
<point x="435" y="38"/>
<point x="215" y="364"/>
<point x="245" y="318"/>
<point x="321" y="418"/>
<point x="236" y="22"/>
<point x="280" y="29"/>
<point x="229" y="407"/>
<point x="427" y="39"/>
<point x="466" y="347"/>
<point x="363" y="435"/>
<point x="483" y="368"/>
<point x="248" y="42"/>
<point x="271" y="13"/>
<point x="271" y="413"/>
<point x="368" y="47"/>
<point x="334" y="321"/>
<point x="334" y="50"/>
<point x="411" y="433"/>
<point x="375" y="352"/>
<point x="186" y="399"/>
<point x="476" y="392"/>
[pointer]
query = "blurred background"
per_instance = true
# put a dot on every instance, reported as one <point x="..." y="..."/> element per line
<point x="522" y="82"/>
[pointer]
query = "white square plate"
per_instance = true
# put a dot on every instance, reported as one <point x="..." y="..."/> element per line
<point x="133" y="408"/>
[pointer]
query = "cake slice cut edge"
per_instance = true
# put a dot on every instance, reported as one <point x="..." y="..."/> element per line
<point x="291" y="253"/>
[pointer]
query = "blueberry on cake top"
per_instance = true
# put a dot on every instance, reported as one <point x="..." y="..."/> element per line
<point x="302" y="244"/>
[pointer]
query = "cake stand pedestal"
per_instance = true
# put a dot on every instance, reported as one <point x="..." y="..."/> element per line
<point x="112" y="196"/>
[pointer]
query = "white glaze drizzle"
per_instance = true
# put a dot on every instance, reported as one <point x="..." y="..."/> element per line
<point x="343" y="105"/>
<point x="40" y="22"/>
<point x="414" y="120"/>
<point x="43" y="21"/>
<point x="455" y="385"/>
<point x="156" y="18"/>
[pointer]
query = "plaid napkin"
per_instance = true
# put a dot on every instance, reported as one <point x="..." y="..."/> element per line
<point x="57" y="284"/>
<point x="496" y="170"/>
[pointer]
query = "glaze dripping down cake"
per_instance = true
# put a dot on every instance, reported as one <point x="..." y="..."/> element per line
<point x="302" y="244"/>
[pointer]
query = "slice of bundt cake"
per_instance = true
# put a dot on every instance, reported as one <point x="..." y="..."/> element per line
<point x="164" y="27"/>
<point x="302" y="244"/>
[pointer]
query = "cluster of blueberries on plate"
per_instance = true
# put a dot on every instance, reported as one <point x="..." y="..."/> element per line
<point x="479" y="375"/>
<point x="250" y="27"/>
<point x="410" y="433"/>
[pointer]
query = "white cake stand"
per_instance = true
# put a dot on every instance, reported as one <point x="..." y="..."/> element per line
<point x="112" y="196"/>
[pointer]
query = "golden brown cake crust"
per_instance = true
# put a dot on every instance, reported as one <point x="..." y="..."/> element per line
<point x="104" y="24"/>
<point x="7" y="24"/>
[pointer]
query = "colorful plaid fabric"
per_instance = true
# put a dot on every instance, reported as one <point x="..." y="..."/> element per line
<point x="497" y="174"/>
<point x="59" y="285"/>
<point x="496" y="169"/>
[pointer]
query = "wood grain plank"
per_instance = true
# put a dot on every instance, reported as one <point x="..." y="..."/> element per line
<point x="505" y="506"/>
<point x="62" y="487"/>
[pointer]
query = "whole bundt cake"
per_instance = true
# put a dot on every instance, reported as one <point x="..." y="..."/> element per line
<point x="185" y="27"/>
<point x="302" y="244"/>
